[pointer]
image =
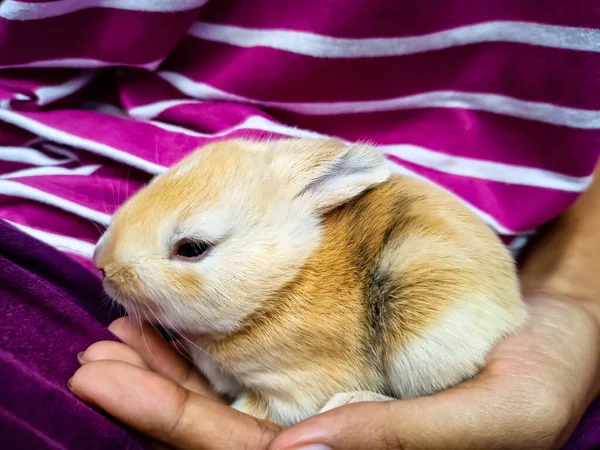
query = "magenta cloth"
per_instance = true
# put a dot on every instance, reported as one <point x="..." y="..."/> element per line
<point x="51" y="310"/>
<point x="497" y="101"/>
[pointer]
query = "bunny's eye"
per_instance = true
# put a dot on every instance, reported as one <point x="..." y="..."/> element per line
<point x="191" y="250"/>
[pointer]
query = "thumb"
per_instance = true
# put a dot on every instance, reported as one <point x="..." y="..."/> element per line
<point x="424" y="423"/>
<point x="356" y="426"/>
<point x="165" y="410"/>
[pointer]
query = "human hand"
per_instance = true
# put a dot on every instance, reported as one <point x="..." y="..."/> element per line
<point x="530" y="395"/>
<point x="146" y="384"/>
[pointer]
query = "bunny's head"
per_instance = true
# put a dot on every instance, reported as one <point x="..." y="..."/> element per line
<point x="204" y="244"/>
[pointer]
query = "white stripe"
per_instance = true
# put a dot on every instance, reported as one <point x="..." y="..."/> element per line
<point x="251" y="123"/>
<point x="34" y="141"/>
<point x="203" y="91"/>
<point x="119" y="155"/>
<point x="56" y="149"/>
<point x="268" y="126"/>
<point x="48" y="94"/>
<point x="15" y="189"/>
<point x="49" y="146"/>
<point x="29" y="156"/>
<point x="78" y="63"/>
<point x="518" y="244"/>
<point x="19" y="10"/>
<point x="23" y="191"/>
<point x="57" y="241"/>
<point x="154" y="109"/>
<point x="263" y="124"/>
<point x="104" y="108"/>
<point x="320" y="46"/>
<point x="76" y="141"/>
<point x="456" y="165"/>
<point x="44" y="171"/>
<point x="494" y="103"/>
<point x="487" y="170"/>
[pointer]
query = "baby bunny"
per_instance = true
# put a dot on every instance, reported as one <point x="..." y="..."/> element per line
<point x="305" y="276"/>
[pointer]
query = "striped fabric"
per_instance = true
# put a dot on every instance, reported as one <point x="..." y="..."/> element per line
<point x="499" y="102"/>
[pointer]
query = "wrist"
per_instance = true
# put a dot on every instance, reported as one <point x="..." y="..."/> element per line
<point x="571" y="336"/>
<point x="562" y="261"/>
<point x="564" y="290"/>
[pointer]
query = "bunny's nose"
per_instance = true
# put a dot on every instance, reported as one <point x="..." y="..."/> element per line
<point x="97" y="258"/>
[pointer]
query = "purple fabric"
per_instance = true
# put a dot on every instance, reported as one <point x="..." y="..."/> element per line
<point x="394" y="18"/>
<point x="473" y="68"/>
<point x="144" y="44"/>
<point x="483" y="135"/>
<point x="587" y="434"/>
<point x="51" y="310"/>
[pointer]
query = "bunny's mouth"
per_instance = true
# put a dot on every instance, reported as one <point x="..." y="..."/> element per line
<point x="168" y="334"/>
<point x="127" y="297"/>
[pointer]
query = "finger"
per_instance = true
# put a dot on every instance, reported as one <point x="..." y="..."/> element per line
<point x="164" y="410"/>
<point x="374" y="426"/>
<point x="355" y="426"/>
<point x="160" y="356"/>
<point x="116" y="351"/>
<point x="471" y="418"/>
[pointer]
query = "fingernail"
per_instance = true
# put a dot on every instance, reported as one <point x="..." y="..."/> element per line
<point x="313" y="447"/>
<point x="80" y="358"/>
<point x="69" y="384"/>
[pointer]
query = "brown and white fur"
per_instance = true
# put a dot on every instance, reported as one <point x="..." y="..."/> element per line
<point x="330" y="281"/>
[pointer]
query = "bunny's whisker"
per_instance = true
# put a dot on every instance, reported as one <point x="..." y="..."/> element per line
<point x="174" y="341"/>
<point x="179" y="333"/>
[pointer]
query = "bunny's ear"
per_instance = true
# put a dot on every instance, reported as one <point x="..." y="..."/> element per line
<point x="328" y="173"/>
